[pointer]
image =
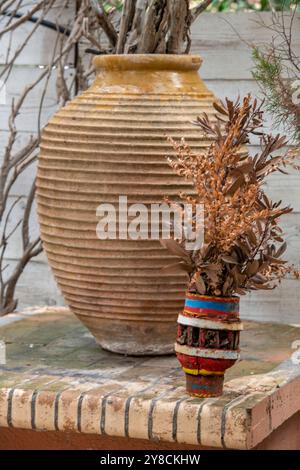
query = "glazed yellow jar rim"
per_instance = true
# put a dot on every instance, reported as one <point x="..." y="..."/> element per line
<point x="167" y="62"/>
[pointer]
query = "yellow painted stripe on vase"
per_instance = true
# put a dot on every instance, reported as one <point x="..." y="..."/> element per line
<point x="201" y="372"/>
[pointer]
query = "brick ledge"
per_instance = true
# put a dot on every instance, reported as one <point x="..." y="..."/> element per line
<point x="159" y="410"/>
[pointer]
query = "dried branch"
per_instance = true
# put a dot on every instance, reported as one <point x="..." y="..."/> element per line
<point x="105" y="22"/>
<point x="180" y="25"/>
<point x="40" y="5"/>
<point x="155" y="21"/>
<point x="125" y="24"/>
<point x="137" y="27"/>
<point x="150" y="26"/>
<point x="196" y="11"/>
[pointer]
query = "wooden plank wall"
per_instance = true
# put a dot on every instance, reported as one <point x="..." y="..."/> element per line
<point x="223" y="42"/>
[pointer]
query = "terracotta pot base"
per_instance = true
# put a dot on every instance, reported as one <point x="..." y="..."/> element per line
<point x="132" y="339"/>
<point x="132" y="349"/>
<point x="127" y="350"/>
<point x="204" y="386"/>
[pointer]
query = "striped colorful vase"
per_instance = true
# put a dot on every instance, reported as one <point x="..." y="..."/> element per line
<point x="208" y="342"/>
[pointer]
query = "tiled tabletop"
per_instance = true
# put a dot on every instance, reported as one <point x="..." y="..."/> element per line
<point x="57" y="378"/>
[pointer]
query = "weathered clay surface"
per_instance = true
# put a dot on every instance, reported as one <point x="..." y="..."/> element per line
<point x="110" y="141"/>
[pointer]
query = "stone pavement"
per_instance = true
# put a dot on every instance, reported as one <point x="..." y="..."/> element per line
<point x="56" y="378"/>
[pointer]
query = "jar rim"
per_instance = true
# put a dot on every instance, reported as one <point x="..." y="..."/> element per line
<point x="155" y="62"/>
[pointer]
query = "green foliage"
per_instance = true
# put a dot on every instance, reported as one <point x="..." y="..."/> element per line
<point x="239" y="5"/>
<point x="268" y="72"/>
<point x="110" y="5"/>
<point x="252" y="5"/>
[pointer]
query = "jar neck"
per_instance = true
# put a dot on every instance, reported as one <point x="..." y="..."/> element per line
<point x="149" y="74"/>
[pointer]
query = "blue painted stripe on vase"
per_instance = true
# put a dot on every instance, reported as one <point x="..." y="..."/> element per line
<point x="198" y="387"/>
<point x="223" y="307"/>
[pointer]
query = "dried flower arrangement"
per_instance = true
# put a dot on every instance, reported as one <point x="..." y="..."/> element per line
<point x="243" y="242"/>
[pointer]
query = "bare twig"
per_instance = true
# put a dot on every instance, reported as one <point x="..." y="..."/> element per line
<point x="125" y="24"/>
<point x="180" y="25"/>
<point x="137" y="26"/>
<point x="24" y="18"/>
<point x="105" y="22"/>
<point x="195" y="12"/>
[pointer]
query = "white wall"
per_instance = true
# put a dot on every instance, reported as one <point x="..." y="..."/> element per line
<point x="223" y="42"/>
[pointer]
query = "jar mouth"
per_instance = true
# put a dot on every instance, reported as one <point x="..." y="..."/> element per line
<point x="155" y="62"/>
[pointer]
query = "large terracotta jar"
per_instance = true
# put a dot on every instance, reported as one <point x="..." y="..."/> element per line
<point x="111" y="141"/>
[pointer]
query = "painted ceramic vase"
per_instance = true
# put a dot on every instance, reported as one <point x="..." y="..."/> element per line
<point x="111" y="141"/>
<point x="208" y="342"/>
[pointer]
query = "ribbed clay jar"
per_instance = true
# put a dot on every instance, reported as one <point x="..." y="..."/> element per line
<point x="111" y="141"/>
